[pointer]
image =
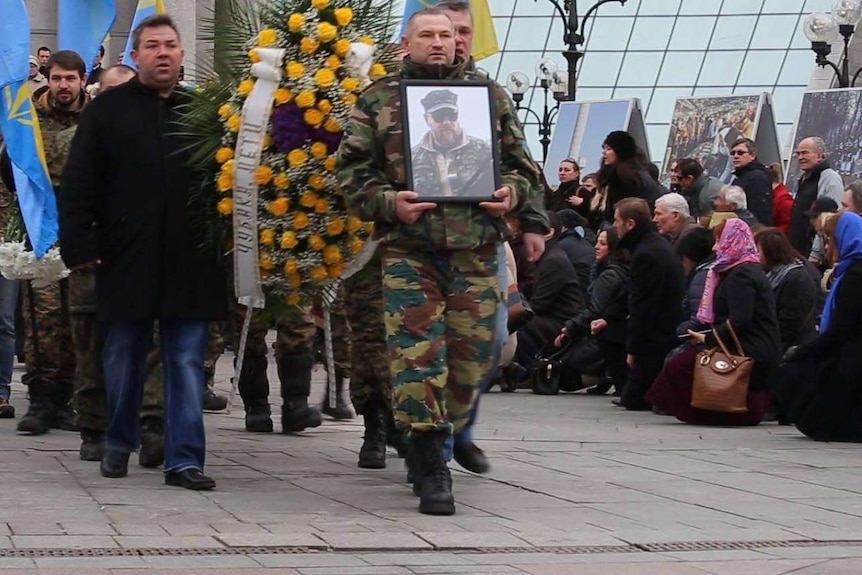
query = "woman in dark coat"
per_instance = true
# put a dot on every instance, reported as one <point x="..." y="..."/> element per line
<point x="821" y="380"/>
<point x="570" y="183"/>
<point x="624" y="173"/>
<point x="737" y="292"/>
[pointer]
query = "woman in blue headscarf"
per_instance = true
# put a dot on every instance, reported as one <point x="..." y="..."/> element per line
<point x="823" y="387"/>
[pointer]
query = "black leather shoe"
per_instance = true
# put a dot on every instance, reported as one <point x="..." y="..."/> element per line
<point x="471" y="458"/>
<point x="92" y="445"/>
<point x="190" y="479"/>
<point x="114" y="464"/>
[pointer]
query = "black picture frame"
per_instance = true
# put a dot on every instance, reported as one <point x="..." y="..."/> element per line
<point x="474" y="104"/>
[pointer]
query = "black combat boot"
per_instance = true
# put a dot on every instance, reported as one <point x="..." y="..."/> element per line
<point x="152" y="442"/>
<point x="64" y="415"/>
<point x="40" y="414"/>
<point x="294" y="371"/>
<point x="396" y="438"/>
<point x="92" y="445"/>
<point x="434" y="481"/>
<point x="341" y="411"/>
<point x="254" y="390"/>
<point x="372" y="454"/>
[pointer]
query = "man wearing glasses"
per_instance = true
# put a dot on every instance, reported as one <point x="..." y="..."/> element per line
<point x="753" y="177"/>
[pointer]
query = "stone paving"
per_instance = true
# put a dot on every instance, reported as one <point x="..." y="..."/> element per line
<point x="578" y="487"/>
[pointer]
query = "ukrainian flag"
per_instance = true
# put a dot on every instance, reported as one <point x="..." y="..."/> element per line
<point x="484" y="35"/>
<point x="145" y="9"/>
<point x="82" y="27"/>
<point x="20" y="127"/>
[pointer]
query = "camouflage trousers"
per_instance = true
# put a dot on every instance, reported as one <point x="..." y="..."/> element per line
<point x="440" y="322"/>
<point x="341" y="333"/>
<point x="363" y="303"/>
<point x="48" y="354"/>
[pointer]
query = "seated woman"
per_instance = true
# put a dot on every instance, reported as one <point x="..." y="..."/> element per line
<point x="820" y="379"/>
<point x="695" y="249"/>
<point x="736" y="292"/>
<point x="794" y="288"/>
<point x="606" y="314"/>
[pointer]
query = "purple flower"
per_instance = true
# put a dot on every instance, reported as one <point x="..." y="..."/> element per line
<point x="331" y="140"/>
<point x="289" y="130"/>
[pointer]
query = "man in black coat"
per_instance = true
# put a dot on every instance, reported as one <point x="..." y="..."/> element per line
<point x="123" y="212"/>
<point x="753" y="177"/>
<point x="578" y="241"/>
<point x="657" y="286"/>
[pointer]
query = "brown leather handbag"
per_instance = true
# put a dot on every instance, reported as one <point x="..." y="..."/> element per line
<point x="721" y="379"/>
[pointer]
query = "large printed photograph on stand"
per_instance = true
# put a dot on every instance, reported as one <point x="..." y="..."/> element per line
<point x="836" y="117"/>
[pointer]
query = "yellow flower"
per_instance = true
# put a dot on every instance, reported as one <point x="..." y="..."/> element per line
<point x="245" y="87"/>
<point x="320" y="4"/>
<point x="367" y="40"/>
<point x="331" y="255"/>
<point x="332" y="125"/>
<point x="356" y="245"/>
<point x="308" y="199"/>
<point x="292" y="299"/>
<point x="321" y="207"/>
<point x="343" y="16"/>
<point x="266" y="262"/>
<point x="335" y="271"/>
<point x="283" y="96"/>
<point x="262" y="175"/>
<point x="341" y="47"/>
<point x="291" y="266"/>
<point x="369" y="228"/>
<point x="329" y="164"/>
<point x="225" y="111"/>
<point x="281" y="181"/>
<point x="294" y="280"/>
<point x="224" y="182"/>
<point x="297" y="158"/>
<point x="267" y="37"/>
<point x="318" y="273"/>
<point x="313" y="117"/>
<point x="227" y="167"/>
<point x="350" y="99"/>
<point x="253" y="56"/>
<point x="225" y="206"/>
<point x="377" y="70"/>
<point x="309" y="45"/>
<point x="335" y="227"/>
<point x="288" y="241"/>
<point x="234" y="122"/>
<point x="223" y="155"/>
<point x="324" y="106"/>
<point x="325" y="77"/>
<point x="278" y="207"/>
<point x="316" y="242"/>
<point x="354" y="224"/>
<point x="300" y="221"/>
<point x="295" y="22"/>
<point x="306" y="99"/>
<point x="295" y="70"/>
<point x="267" y="141"/>
<point x="267" y="237"/>
<point x="350" y="84"/>
<point x="319" y="150"/>
<point x="326" y="32"/>
<point x="333" y="62"/>
<point x="316" y="181"/>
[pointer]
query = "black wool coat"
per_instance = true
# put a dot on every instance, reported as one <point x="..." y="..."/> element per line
<point x="557" y="295"/>
<point x="756" y="180"/>
<point x="124" y="201"/>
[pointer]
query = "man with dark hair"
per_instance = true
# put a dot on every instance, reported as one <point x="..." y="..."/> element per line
<point x="124" y="214"/>
<point x="852" y="200"/>
<point x="95" y="76"/>
<point x="657" y="286"/>
<point x="753" y="177"/>
<point x="698" y="188"/>
<point x="43" y="53"/>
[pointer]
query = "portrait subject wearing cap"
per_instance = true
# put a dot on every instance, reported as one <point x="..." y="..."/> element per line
<point x="448" y="162"/>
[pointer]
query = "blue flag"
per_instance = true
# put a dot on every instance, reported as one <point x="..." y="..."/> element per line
<point x="145" y="9"/>
<point x="20" y="128"/>
<point x="484" y="35"/>
<point x="412" y="6"/>
<point x="82" y="26"/>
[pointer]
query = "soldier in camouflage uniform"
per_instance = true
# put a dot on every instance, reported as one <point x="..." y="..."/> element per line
<point x="440" y="283"/>
<point x="448" y="161"/>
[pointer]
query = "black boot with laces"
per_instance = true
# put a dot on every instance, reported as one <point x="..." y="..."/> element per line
<point x="435" y="481"/>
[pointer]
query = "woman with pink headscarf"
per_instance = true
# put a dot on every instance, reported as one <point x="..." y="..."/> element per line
<point x="737" y="291"/>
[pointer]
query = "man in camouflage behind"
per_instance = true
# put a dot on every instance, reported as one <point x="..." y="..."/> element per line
<point x="440" y="284"/>
<point x="48" y="352"/>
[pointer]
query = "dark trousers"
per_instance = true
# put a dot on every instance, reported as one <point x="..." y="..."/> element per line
<point x="641" y="376"/>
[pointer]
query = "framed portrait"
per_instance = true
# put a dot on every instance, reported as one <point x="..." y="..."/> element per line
<point x="452" y="152"/>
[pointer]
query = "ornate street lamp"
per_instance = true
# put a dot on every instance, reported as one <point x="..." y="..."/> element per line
<point x="551" y="81"/>
<point x="823" y="29"/>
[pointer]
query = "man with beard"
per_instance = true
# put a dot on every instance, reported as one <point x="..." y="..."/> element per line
<point x="48" y="352"/>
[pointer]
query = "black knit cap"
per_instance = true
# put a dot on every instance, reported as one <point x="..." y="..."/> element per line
<point x="571" y="219"/>
<point x="623" y="144"/>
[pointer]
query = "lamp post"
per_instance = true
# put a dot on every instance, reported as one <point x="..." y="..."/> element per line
<point x="822" y="29"/>
<point x="551" y="82"/>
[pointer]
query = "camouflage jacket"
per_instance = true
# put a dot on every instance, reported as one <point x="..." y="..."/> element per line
<point x="370" y="170"/>
<point x="53" y="121"/>
<point x="464" y="167"/>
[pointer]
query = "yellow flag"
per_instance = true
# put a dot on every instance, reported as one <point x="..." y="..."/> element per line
<point x="484" y="35"/>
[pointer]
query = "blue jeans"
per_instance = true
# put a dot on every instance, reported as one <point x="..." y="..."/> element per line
<point x="183" y="347"/>
<point x="8" y="303"/>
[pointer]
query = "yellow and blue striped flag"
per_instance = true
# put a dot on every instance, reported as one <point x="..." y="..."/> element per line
<point x="20" y="127"/>
<point x="484" y="35"/>
<point x="145" y="9"/>
<point x="82" y="27"/>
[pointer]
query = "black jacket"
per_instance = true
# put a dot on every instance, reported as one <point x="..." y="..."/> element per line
<point x="581" y="253"/>
<point x="124" y="201"/>
<point x="657" y="286"/>
<point x="796" y="307"/>
<point x="801" y="233"/>
<point x="556" y="200"/>
<point x="756" y="180"/>
<point x="609" y="300"/>
<point x="557" y="296"/>
<point x="695" y="284"/>
<point x="628" y="179"/>
<point x="745" y="298"/>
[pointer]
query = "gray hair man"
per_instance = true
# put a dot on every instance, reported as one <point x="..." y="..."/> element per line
<point x="672" y="216"/>
<point x="733" y="199"/>
<point x="818" y="180"/>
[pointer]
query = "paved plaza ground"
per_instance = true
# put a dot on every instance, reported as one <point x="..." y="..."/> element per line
<point x="578" y="487"/>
